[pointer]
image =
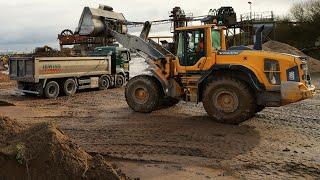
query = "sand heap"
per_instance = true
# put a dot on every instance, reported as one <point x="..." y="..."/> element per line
<point x="2" y="68"/>
<point x="5" y="81"/>
<point x="4" y="77"/>
<point x="8" y="129"/>
<point x="44" y="152"/>
<point x="314" y="64"/>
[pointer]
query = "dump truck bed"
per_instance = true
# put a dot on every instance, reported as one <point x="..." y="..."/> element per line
<point x="30" y="69"/>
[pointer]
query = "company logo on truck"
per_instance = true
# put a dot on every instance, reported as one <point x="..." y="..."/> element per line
<point x="51" y="68"/>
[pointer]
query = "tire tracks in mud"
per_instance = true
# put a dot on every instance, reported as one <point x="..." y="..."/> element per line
<point x="278" y="143"/>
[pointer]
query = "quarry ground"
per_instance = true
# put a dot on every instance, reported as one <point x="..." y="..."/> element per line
<point x="180" y="142"/>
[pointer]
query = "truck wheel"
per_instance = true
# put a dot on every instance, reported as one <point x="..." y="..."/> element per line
<point x="143" y="94"/>
<point x="51" y="90"/>
<point x="229" y="101"/>
<point x="104" y="82"/>
<point x="120" y="80"/>
<point x="69" y="87"/>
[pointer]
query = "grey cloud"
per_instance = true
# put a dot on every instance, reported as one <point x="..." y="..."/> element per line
<point x="27" y="24"/>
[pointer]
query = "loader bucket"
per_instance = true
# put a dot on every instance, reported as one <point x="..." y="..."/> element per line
<point x="94" y="21"/>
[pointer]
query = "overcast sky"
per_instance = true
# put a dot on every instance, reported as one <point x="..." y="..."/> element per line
<point x="26" y="24"/>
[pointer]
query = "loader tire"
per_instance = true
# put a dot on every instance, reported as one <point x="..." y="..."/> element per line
<point x="260" y="108"/>
<point x="52" y="90"/>
<point x="69" y="87"/>
<point x="169" y="102"/>
<point x="228" y="100"/>
<point x="143" y="94"/>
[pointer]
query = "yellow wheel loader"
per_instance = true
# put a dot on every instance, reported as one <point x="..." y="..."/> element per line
<point x="233" y="85"/>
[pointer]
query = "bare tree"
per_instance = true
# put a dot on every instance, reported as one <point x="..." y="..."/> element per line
<point x="307" y="11"/>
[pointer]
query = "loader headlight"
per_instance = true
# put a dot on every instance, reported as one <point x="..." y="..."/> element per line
<point x="293" y="74"/>
<point x="272" y="71"/>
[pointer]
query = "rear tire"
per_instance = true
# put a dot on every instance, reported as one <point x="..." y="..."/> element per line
<point x="69" y="87"/>
<point x="51" y="90"/>
<point x="104" y="82"/>
<point x="143" y="94"/>
<point x="228" y="100"/>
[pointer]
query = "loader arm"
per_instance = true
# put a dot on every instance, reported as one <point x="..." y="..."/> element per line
<point x="142" y="43"/>
<point x="148" y="47"/>
<point x="138" y="44"/>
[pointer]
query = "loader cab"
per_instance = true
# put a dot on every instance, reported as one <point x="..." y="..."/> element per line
<point x="197" y="46"/>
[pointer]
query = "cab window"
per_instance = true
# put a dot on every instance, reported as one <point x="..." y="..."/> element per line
<point x="216" y="39"/>
<point x="180" y="51"/>
<point x="124" y="56"/>
<point x="191" y="46"/>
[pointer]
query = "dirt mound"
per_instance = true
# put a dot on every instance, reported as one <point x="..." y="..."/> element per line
<point x="8" y="129"/>
<point x="4" y="77"/>
<point x="314" y="64"/>
<point x="5" y="81"/>
<point x="44" y="152"/>
<point x="2" y="68"/>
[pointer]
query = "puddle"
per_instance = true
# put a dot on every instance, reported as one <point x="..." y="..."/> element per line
<point x="4" y="103"/>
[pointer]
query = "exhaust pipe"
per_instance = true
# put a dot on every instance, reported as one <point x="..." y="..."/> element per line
<point x="258" y="38"/>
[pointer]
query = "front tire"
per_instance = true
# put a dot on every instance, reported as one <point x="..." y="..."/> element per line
<point x="228" y="100"/>
<point x="260" y="108"/>
<point x="51" y="90"/>
<point x="143" y="94"/>
<point x="120" y="80"/>
<point x="169" y="101"/>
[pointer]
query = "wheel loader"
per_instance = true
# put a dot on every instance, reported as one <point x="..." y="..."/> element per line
<point x="233" y="85"/>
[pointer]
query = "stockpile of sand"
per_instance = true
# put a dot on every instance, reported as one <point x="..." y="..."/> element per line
<point x="8" y="129"/>
<point x="2" y="68"/>
<point x="44" y="152"/>
<point x="314" y="64"/>
<point x="5" y="81"/>
<point x="4" y="77"/>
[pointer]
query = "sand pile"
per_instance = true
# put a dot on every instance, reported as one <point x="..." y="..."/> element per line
<point x="44" y="152"/>
<point x="5" y="81"/>
<point x="2" y="68"/>
<point x="8" y="129"/>
<point x="4" y="77"/>
<point x="314" y="64"/>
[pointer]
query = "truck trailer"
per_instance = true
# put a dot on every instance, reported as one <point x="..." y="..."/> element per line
<point x="49" y="76"/>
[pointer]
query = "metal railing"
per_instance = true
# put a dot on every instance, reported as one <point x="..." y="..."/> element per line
<point x="257" y="16"/>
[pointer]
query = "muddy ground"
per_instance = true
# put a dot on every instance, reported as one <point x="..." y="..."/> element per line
<point x="180" y="142"/>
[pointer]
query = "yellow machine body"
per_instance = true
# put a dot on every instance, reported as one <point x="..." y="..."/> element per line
<point x="253" y="61"/>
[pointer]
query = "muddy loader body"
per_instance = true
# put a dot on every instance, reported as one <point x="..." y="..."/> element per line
<point x="233" y="85"/>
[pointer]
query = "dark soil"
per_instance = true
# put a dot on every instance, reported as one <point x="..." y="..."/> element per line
<point x="44" y="152"/>
<point x="8" y="129"/>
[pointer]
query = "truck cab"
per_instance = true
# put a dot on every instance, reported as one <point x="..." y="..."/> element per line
<point x="120" y="58"/>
